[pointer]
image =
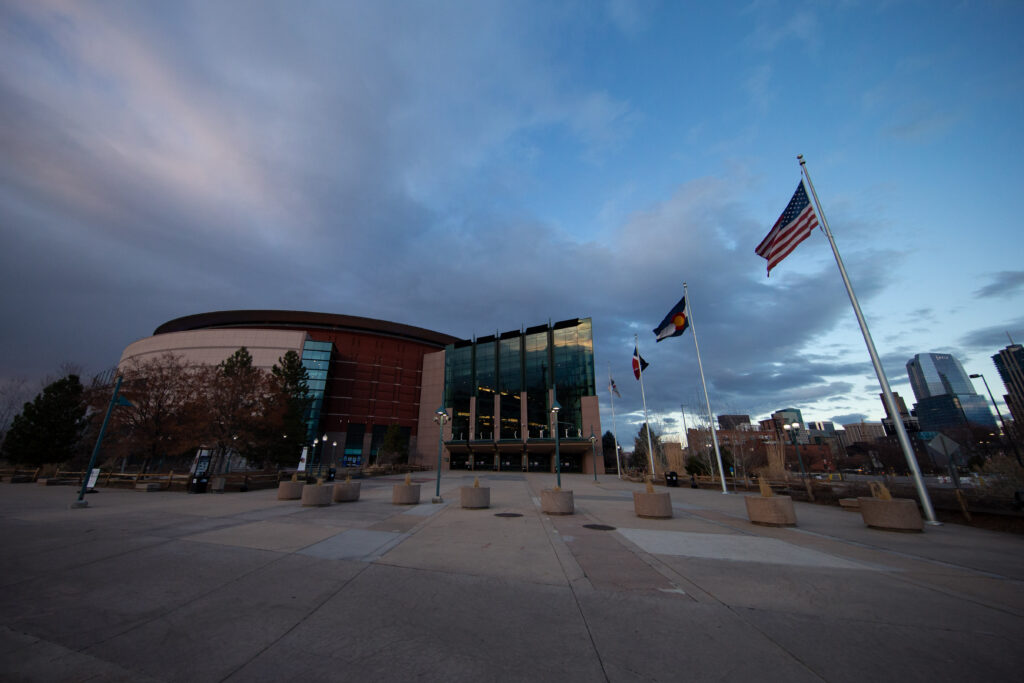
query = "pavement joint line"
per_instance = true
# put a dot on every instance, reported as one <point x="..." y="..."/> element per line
<point x="220" y="586"/>
<point x="561" y="548"/>
<point x="906" y="556"/>
<point x="298" y="622"/>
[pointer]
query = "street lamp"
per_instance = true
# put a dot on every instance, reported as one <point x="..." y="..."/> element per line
<point x="1005" y="430"/>
<point x="558" y="458"/>
<point x="593" y="451"/>
<point x="334" y="453"/>
<point x="440" y="417"/>
<point x="793" y="429"/>
<point x="320" y="461"/>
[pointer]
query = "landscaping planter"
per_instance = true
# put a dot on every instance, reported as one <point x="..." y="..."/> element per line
<point x="346" y="491"/>
<point x="554" y="502"/>
<point x="405" y="494"/>
<point x="898" y="514"/>
<point x="290" y="490"/>
<point x="317" y="495"/>
<point x="771" y="511"/>
<point x="652" y="505"/>
<point x="476" y="497"/>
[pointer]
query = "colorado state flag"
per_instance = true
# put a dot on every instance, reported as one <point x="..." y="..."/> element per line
<point x="675" y="323"/>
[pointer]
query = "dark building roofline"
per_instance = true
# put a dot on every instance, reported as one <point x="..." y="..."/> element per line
<point x="303" y="320"/>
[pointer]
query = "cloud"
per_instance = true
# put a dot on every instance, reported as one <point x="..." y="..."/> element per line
<point x="1003" y="284"/>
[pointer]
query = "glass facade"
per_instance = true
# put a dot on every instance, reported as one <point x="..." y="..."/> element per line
<point x="510" y="384"/>
<point x="573" y="352"/>
<point x="935" y="374"/>
<point x="533" y="361"/>
<point x="459" y="381"/>
<point x="316" y="358"/>
<point x="352" y="456"/>
<point x="486" y="384"/>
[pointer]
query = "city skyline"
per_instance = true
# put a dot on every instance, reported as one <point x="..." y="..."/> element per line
<point x="473" y="167"/>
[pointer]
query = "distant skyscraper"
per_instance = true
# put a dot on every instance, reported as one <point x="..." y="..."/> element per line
<point x="1010" y="364"/>
<point x="733" y="421"/>
<point x="901" y="405"/>
<point x="935" y="374"/>
<point x="945" y="396"/>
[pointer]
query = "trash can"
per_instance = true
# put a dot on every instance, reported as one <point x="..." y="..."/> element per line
<point x="332" y="473"/>
<point x="671" y="479"/>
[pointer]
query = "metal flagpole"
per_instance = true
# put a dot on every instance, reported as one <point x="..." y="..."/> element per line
<point x="700" y="366"/>
<point x="640" y="369"/>
<point x="615" y="428"/>
<point x="890" y="403"/>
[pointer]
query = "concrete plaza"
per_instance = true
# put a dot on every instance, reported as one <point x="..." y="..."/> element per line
<point x="242" y="587"/>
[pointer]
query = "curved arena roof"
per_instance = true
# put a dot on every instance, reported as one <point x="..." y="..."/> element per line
<point x="304" y="320"/>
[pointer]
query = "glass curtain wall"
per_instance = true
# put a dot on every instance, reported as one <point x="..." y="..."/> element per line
<point x="573" y="351"/>
<point x="316" y="358"/>
<point x="486" y="382"/>
<point x="537" y="367"/>
<point x="510" y="382"/>
<point x="459" y="384"/>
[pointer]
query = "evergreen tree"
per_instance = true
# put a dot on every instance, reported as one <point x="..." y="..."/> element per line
<point x="640" y="459"/>
<point x="608" y="450"/>
<point x="48" y="429"/>
<point x="395" y="446"/>
<point x="292" y="380"/>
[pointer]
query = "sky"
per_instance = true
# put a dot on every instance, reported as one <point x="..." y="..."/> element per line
<point x="475" y="166"/>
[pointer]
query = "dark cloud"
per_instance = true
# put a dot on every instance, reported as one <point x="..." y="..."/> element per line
<point x="1003" y="284"/>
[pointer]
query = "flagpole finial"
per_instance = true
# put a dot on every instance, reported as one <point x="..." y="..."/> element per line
<point x="800" y="158"/>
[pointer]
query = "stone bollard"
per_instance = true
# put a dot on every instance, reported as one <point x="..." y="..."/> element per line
<point x="652" y="505"/>
<point x="475" y="497"/>
<point x="556" y="502"/>
<point x="405" y="494"/>
<point x="346" y="491"/>
<point x="317" y="495"/>
<point x="898" y="514"/>
<point x="771" y="511"/>
<point x="290" y="490"/>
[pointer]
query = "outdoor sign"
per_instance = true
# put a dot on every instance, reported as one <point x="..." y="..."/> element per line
<point x="201" y="463"/>
<point x="302" y="460"/>
<point x="94" y="475"/>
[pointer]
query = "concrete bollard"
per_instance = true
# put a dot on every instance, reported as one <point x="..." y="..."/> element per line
<point x="771" y="511"/>
<point x="652" y="505"/>
<point x="556" y="502"/>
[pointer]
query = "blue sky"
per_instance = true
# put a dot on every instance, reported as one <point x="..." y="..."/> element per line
<point x="478" y="166"/>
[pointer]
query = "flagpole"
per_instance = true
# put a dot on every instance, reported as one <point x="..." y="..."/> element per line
<point x="615" y="427"/>
<point x="640" y="368"/>
<point x="700" y="366"/>
<point x="890" y="403"/>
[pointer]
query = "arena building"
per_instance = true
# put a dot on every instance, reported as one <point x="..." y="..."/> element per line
<point x="366" y="375"/>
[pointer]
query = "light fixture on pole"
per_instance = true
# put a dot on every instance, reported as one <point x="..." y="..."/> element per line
<point x="1013" y="443"/>
<point x="440" y="417"/>
<point x="558" y="458"/>
<point x="319" y="462"/>
<point x="593" y="450"/>
<point x="793" y="429"/>
<point x="334" y="453"/>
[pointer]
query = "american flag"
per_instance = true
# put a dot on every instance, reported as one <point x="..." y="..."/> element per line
<point x="793" y="227"/>
<point x="612" y="389"/>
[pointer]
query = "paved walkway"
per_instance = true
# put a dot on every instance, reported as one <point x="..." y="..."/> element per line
<point x="243" y="587"/>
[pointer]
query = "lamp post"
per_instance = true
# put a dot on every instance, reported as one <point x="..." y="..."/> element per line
<point x="440" y="417"/>
<point x="593" y="451"/>
<point x="1013" y="443"/>
<point x="334" y="453"/>
<point x="793" y="429"/>
<point x="320" y="461"/>
<point x="558" y="458"/>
